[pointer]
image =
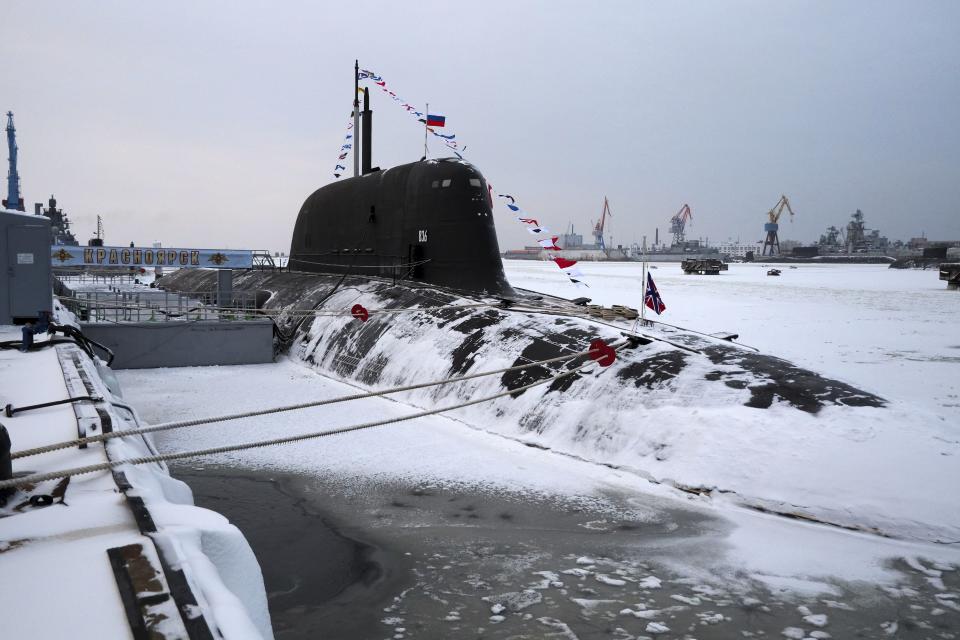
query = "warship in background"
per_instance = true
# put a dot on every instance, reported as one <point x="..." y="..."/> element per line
<point x="59" y="223"/>
<point x="855" y="243"/>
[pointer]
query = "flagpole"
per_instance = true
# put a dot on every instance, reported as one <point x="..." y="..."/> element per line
<point x="426" y="119"/>
<point x="643" y="299"/>
<point x="356" y="119"/>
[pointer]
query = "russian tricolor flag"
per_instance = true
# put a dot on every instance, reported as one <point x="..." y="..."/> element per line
<point x="436" y="121"/>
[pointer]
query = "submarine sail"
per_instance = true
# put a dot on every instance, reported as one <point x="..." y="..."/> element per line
<point x="429" y="221"/>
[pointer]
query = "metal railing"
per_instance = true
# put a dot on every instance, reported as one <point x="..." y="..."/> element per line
<point x="88" y="279"/>
<point x="157" y="305"/>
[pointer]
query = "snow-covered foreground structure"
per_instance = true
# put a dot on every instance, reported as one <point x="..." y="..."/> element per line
<point x="678" y="407"/>
<point x="116" y="553"/>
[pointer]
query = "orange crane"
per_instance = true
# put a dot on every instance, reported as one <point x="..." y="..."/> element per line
<point x="598" y="227"/>
<point x="679" y="222"/>
<point x="772" y="241"/>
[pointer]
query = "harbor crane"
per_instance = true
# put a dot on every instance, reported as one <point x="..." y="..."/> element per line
<point x="679" y="222"/>
<point x="598" y="227"/>
<point x="772" y="242"/>
<point x="13" y="200"/>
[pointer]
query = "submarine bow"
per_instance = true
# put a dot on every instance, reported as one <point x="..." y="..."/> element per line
<point x="429" y="221"/>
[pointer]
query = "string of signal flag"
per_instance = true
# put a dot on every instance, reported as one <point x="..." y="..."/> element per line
<point x="432" y="122"/>
<point x="547" y="241"/>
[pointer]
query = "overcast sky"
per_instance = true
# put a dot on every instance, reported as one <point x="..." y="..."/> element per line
<point x="208" y="123"/>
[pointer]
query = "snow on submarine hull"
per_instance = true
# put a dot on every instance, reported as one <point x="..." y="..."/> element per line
<point x="447" y="338"/>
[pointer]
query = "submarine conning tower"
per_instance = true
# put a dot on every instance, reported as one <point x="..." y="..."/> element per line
<point x="429" y="221"/>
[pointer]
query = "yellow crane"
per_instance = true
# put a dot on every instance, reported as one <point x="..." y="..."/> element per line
<point x="772" y="241"/>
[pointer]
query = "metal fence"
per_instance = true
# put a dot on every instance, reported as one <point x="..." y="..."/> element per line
<point x="75" y="279"/>
<point x="157" y="305"/>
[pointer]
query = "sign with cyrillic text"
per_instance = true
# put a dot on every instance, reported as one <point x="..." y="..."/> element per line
<point x="66" y="256"/>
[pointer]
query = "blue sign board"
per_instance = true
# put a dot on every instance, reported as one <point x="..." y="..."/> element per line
<point x="67" y="256"/>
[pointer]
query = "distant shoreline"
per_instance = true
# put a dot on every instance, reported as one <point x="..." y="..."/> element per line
<point x="677" y="258"/>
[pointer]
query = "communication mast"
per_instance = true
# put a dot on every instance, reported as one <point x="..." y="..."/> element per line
<point x="97" y="241"/>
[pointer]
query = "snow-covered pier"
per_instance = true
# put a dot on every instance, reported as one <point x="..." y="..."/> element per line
<point x="147" y="327"/>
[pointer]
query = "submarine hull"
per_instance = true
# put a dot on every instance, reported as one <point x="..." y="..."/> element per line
<point x="663" y="366"/>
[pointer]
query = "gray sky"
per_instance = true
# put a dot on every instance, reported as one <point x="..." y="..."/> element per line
<point x="208" y="123"/>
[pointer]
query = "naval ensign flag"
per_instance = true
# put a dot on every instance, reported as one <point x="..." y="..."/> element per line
<point x="652" y="297"/>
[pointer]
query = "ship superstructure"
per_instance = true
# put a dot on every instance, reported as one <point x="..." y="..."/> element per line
<point x="59" y="223"/>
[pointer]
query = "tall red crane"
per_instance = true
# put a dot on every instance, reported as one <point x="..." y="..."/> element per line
<point x="598" y="227"/>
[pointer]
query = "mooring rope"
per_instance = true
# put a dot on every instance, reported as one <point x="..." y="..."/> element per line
<point x="167" y="426"/>
<point x="64" y="473"/>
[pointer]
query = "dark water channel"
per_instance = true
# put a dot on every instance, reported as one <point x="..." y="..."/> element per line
<point x="385" y="560"/>
<point x="320" y="583"/>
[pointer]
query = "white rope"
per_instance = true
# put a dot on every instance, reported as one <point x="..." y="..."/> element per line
<point x="281" y="409"/>
<point x="52" y="475"/>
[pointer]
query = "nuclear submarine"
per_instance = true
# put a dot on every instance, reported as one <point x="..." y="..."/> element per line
<point x="416" y="246"/>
